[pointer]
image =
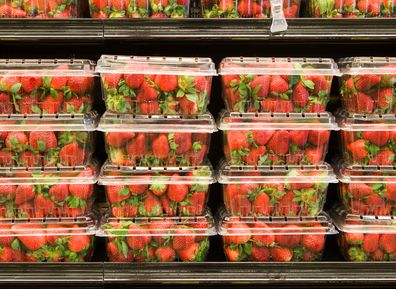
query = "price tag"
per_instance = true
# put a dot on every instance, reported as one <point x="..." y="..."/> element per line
<point x="279" y="23"/>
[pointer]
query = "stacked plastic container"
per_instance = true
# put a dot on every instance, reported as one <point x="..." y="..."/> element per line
<point x="157" y="134"/>
<point x="367" y="177"/>
<point x="47" y="175"/>
<point x="276" y="133"/>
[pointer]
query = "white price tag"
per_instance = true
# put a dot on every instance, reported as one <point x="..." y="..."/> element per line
<point x="279" y="23"/>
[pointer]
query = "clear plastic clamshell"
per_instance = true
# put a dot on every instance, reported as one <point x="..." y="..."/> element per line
<point x="367" y="65"/>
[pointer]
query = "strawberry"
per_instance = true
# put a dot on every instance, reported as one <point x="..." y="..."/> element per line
<point x="232" y="254"/>
<point x="354" y="238"/>
<point x="126" y="211"/>
<point x="6" y="254"/>
<point x="260" y="254"/>
<point x="390" y="193"/>
<point x="183" y="238"/>
<point x="388" y="243"/>
<point x="134" y="81"/>
<point x="299" y="137"/>
<point x="160" y="230"/>
<point x="385" y="157"/>
<point x="261" y="84"/>
<point x="6" y="158"/>
<point x="152" y="205"/>
<point x="364" y="103"/>
<point x="77" y="105"/>
<point x="24" y="193"/>
<point x="71" y="154"/>
<point x="379" y="138"/>
<point x="6" y="106"/>
<point x="300" y="95"/>
<point x="226" y="6"/>
<point x="318" y="137"/>
<point x="385" y="98"/>
<point x="278" y="85"/>
<point x="314" y="155"/>
<point x="119" y="139"/>
<point x="168" y="207"/>
<point x="111" y="80"/>
<point x="165" y="254"/>
<point x="254" y="155"/>
<point x="291" y="12"/>
<point x="43" y="206"/>
<point x="315" y="243"/>
<point x="78" y="85"/>
<point x="138" y="189"/>
<point x="55" y="232"/>
<point x="27" y="104"/>
<point x="117" y="5"/>
<point x="51" y="105"/>
<point x="261" y="205"/>
<point x="365" y="82"/>
<point x="316" y="107"/>
<point x="146" y="92"/>
<point x="240" y="206"/>
<point x="78" y="243"/>
<point x="279" y="142"/>
<point x="8" y="190"/>
<point x="158" y="189"/>
<point x="57" y="82"/>
<point x="160" y="147"/>
<point x="146" y="255"/>
<point x="358" y="150"/>
<point x="187" y="106"/>
<point x="261" y="137"/>
<point x="16" y="141"/>
<point x="25" y="210"/>
<point x="236" y="228"/>
<point x="82" y="191"/>
<point x="200" y="82"/>
<point x="359" y="190"/>
<point x="6" y="236"/>
<point x="30" y="159"/>
<point x="137" y="147"/>
<point x="189" y="253"/>
<point x="320" y="82"/>
<point x="197" y="207"/>
<point x="237" y="139"/>
<point x="149" y="107"/>
<point x="166" y="83"/>
<point x="370" y="243"/>
<point x="116" y="256"/>
<point x="378" y="255"/>
<point x="137" y="237"/>
<point x="289" y="241"/>
<point x="32" y="243"/>
<point x="43" y="140"/>
<point x="30" y="83"/>
<point x="177" y="192"/>
<point x="280" y="254"/>
<point x="264" y="237"/>
<point x="183" y="141"/>
<point x="100" y="4"/>
<point x="197" y="157"/>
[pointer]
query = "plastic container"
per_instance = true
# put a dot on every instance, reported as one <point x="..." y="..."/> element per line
<point x="46" y="140"/>
<point x="47" y="192"/>
<point x="157" y="140"/>
<point x="47" y="240"/>
<point x="158" y="239"/>
<point x="275" y="190"/>
<point x="275" y="239"/>
<point x="368" y="84"/>
<point x="276" y="139"/>
<point x="253" y="84"/>
<point x="351" y="8"/>
<point x="247" y="8"/>
<point x="368" y="190"/>
<point x="139" y="9"/>
<point x="366" y="238"/>
<point x="157" y="191"/>
<point x="368" y="139"/>
<point x="154" y="85"/>
<point x="46" y="86"/>
<point x="40" y="9"/>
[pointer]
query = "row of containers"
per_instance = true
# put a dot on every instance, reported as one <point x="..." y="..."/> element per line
<point x="157" y="177"/>
<point x="181" y="8"/>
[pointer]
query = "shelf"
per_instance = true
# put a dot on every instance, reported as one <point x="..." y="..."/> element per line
<point x="98" y="30"/>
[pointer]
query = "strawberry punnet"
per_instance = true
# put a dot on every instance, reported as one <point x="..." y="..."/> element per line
<point x="39" y="9"/>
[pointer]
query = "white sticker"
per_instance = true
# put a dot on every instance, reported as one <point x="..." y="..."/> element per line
<point x="279" y="23"/>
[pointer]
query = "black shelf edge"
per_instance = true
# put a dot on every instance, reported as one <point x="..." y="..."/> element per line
<point x="330" y="273"/>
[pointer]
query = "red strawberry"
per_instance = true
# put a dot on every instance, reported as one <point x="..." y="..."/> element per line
<point x="6" y="235"/>
<point x="149" y="107"/>
<point x="278" y="85"/>
<point x="32" y="243"/>
<point x="30" y="83"/>
<point x="358" y="150"/>
<point x="79" y="85"/>
<point x="177" y="192"/>
<point x="263" y="235"/>
<point x="359" y="190"/>
<point x="299" y="137"/>
<point x="189" y="253"/>
<point x="232" y="254"/>
<point x="236" y="228"/>
<point x="30" y="159"/>
<point x="364" y="103"/>
<point x="390" y="193"/>
<point x="6" y="254"/>
<point x="261" y="205"/>
<point x="78" y="243"/>
<point x="290" y="241"/>
<point x="183" y="238"/>
<point x="59" y="192"/>
<point x="51" y="105"/>
<point x="315" y="243"/>
<point x="385" y="98"/>
<point x="261" y="84"/>
<point x="138" y="189"/>
<point x="100" y="4"/>
<point x="146" y="92"/>
<point x="370" y="243"/>
<point x="16" y="141"/>
<point x="6" y="106"/>
<point x="134" y="81"/>
<point x="57" y="82"/>
<point x="319" y="137"/>
<point x="72" y="154"/>
<point x="226" y="6"/>
<point x="160" y="147"/>
<point x="200" y="82"/>
<point x="300" y="95"/>
<point x="136" y="148"/>
<point x="317" y="107"/>
<point x="6" y="158"/>
<point x="365" y="82"/>
<point x="43" y="140"/>
<point x="183" y="141"/>
<point x="254" y="155"/>
<point x="158" y="189"/>
<point x="117" y="5"/>
<point x="237" y="139"/>
<point x="388" y="242"/>
<point x="119" y="139"/>
<point x="291" y="12"/>
<point x="260" y="254"/>
<point x="354" y="238"/>
<point x="314" y="155"/>
<point x="261" y="137"/>
<point x="379" y="138"/>
<point x="378" y="255"/>
<point x="197" y="207"/>
<point x="152" y="205"/>
<point x="280" y="254"/>
<point x="137" y="237"/>
<point x="111" y="80"/>
<point x="161" y="229"/>
<point x="126" y="211"/>
<point x="23" y="194"/>
<point x="165" y="254"/>
<point x="320" y="83"/>
<point x="77" y="105"/>
<point x="248" y="8"/>
<point x="27" y="104"/>
<point x="240" y="206"/>
<point x="187" y="106"/>
<point x="168" y="207"/>
<point x="279" y="142"/>
<point x="43" y="206"/>
<point x="197" y="157"/>
<point x="116" y="256"/>
<point x="166" y="83"/>
<point x="385" y="157"/>
<point x="82" y="191"/>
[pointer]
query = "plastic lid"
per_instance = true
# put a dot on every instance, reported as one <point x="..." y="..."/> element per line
<point x="112" y="122"/>
<point x="366" y="122"/>
<point x="278" y="66"/>
<point x="47" y="67"/>
<point x="271" y="121"/>
<point x="84" y="174"/>
<point x="171" y="226"/>
<point x="115" y="175"/>
<point x="367" y="174"/>
<point x="236" y="226"/>
<point x="34" y="227"/>
<point x="367" y="65"/>
<point x="233" y="174"/>
<point x="349" y="223"/>
<point x="156" y="65"/>
<point x="49" y="122"/>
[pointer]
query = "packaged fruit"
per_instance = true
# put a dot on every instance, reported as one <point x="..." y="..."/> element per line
<point x="276" y="139"/>
<point x="46" y="86"/>
<point x="368" y="139"/>
<point x="46" y="140"/>
<point x="293" y="190"/>
<point x="253" y="84"/>
<point x="156" y="140"/>
<point x="161" y="239"/>
<point x="47" y="240"/>
<point x="47" y="192"/>
<point x="351" y="8"/>
<point x="275" y="239"/>
<point x="139" y="8"/>
<point x="368" y="84"/>
<point x="247" y="8"/>
<point x="366" y="238"/>
<point x="368" y="190"/>
<point x="156" y="191"/>
<point x="41" y="9"/>
<point x="156" y="85"/>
